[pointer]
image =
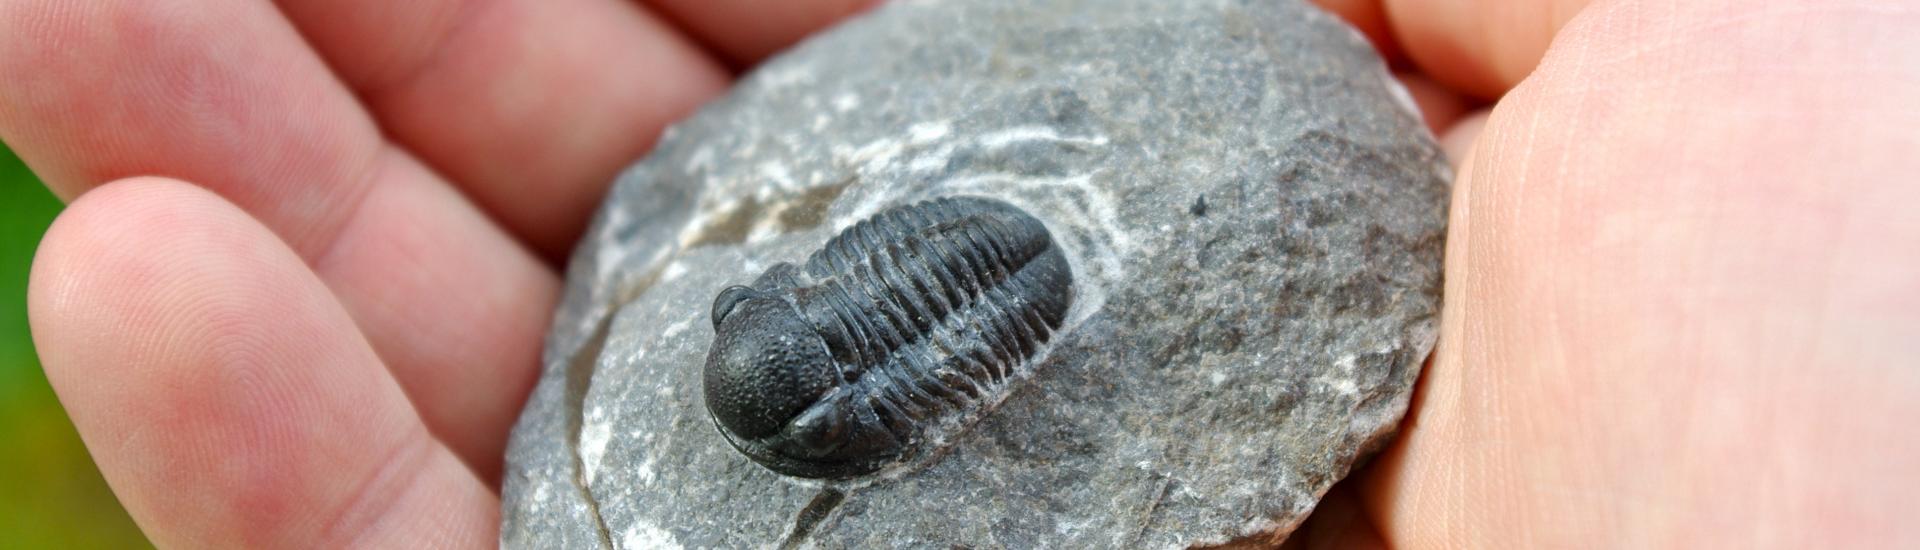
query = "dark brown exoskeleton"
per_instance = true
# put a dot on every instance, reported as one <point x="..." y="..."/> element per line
<point x="910" y="319"/>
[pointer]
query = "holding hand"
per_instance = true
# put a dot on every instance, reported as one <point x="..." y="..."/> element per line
<point x="299" y="296"/>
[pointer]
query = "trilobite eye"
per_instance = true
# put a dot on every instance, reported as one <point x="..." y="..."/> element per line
<point x="729" y="298"/>
<point x="820" y="429"/>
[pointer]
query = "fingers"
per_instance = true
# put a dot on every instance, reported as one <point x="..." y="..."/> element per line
<point x="743" y="32"/>
<point x="219" y="93"/>
<point x="531" y="107"/>
<point x="226" y="396"/>
<point x="1682" y="282"/>
<point x="454" y="307"/>
<point x="224" y="94"/>
<point x="1480" y="47"/>
<point x="1370" y="17"/>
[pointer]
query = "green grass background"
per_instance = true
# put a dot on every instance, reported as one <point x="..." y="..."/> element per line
<point x="51" y="496"/>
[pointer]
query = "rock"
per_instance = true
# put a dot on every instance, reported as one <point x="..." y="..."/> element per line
<point x="1252" y="209"/>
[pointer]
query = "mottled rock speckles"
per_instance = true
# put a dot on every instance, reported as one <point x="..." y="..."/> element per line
<point x="1253" y="219"/>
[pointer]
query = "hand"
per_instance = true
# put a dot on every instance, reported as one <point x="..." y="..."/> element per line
<point x="1683" y="280"/>
<point x="299" y="295"/>
<point x="1681" y="272"/>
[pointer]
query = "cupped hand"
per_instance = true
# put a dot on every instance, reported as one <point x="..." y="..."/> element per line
<point x="299" y="295"/>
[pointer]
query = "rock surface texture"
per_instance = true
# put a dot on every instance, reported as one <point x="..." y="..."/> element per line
<point x="1251" y="208"/>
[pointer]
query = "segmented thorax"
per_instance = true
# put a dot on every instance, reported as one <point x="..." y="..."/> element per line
<point x="906" y="324"/>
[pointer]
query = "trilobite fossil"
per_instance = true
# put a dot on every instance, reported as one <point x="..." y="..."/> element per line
<point x="908" y="323"/>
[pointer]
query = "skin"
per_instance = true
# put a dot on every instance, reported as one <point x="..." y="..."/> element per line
<point x="298" y="296"/>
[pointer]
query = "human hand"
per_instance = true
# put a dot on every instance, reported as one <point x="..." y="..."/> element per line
<point x="1683" y="280"/>
<point x="1664" y="237"/>
<point x="316" y="325"/>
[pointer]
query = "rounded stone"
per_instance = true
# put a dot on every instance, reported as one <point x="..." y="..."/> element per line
<point x="1251" y="209"/>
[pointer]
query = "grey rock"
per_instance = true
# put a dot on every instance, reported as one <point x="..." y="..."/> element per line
<point x="1253" y="212"/>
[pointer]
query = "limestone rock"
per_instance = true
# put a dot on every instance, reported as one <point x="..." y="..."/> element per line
<point x="1252" y="209"/>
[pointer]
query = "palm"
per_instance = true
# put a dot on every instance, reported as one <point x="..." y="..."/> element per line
<point x="321" y="326"/>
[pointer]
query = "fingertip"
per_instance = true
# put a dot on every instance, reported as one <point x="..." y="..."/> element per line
<point x="146" y="299"/>
<point x="67" y="290"/>
<point x="114" y="239"/>
<point x="225" y="395"/>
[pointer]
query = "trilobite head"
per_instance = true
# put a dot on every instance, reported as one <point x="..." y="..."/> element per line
<point x="766" y="364"/>
<point x="907" y="321"/>
<point x="770" y="384"/>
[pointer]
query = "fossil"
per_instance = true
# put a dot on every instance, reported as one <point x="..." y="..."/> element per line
<point x="899" y="332"/>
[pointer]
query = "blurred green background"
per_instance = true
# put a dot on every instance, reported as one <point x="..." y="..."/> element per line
<point x="51" y="496"/>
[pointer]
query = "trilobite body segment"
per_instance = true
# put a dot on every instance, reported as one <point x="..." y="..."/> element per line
<point x="907" y="323"/>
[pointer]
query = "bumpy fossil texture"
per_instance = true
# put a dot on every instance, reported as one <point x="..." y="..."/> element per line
<point x="900" y="330"/>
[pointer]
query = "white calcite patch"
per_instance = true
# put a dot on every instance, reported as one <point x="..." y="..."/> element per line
<point x="646" y="536"/>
